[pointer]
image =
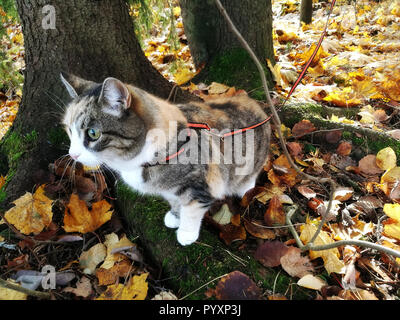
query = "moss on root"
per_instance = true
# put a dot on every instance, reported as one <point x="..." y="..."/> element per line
<point x="368" y="140"/>
<point x="190" y="267"/>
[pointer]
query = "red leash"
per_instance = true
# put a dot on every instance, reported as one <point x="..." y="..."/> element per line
<point x="233" y="132"/>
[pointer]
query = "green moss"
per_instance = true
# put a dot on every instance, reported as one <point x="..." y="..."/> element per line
<point x="58" y="137"/>
<point x="236" y="68"/>
<point x="13" y="146"/>
<point x="190" y="267"/>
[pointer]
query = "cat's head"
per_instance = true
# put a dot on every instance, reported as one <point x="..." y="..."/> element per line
<point x="101" y="121"/>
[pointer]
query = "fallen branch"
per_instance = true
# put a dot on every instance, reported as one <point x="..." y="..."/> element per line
<point x="310" y="245"/>
<point x="12" y="286"/>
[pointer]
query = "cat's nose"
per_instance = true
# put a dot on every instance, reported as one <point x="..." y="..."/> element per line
<point x="74" y="156"/>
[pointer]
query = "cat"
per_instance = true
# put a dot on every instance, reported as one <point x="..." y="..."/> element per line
<point x="130" y="131"/>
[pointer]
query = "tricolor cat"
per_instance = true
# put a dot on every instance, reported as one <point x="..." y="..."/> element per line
<point x="135" y="133"/>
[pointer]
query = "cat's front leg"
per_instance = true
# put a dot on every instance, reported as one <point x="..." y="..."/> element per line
<point x="172" y="217"/>
<point x="189" y="227"/>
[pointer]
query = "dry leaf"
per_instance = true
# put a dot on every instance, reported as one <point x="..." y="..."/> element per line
<point x="135" y="289"/>
<point x="223" y="216"/>
<point x="270" y="253"/>
<point x="330" y="256"/>
<point x="83" y="288"/>
<point x="302" y="128"/>
<point x="258" y="230"/>
<point x="78" y="218"/>
<point x="386" y="159"/>
<point x="91" y="258"/>
<point x="392" y="226"/>
<point x="368" y="165"/>
<point x="32" y="213"/>
<point x="311" y="282"/>
<point x="165" y="295"/>
<point x="295" y="264"/>
<point x="344" y="149"/>
<point x="10" y="294"/>
<point x="275" y="215"/>
<point x="237" y="286"/>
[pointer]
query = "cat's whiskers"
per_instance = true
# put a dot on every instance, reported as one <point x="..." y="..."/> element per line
<point x="65" y="169"/>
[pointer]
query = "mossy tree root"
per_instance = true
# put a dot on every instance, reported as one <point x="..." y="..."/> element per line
<point x="188" y="268"/>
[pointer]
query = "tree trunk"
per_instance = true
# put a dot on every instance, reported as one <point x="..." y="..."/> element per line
<point x="306" y="11"/>
<point x="212" y="43"/>
<point x="93" y="39"/>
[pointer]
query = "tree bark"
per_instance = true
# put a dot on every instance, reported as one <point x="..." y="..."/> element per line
<point x="93" y="39"/>
<point x="210" y="38"/>
<point x="208" y="33"/>
<point x="306" y="11"/>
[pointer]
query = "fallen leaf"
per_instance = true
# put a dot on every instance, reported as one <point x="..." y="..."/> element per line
<point x="306" y="192"/>
<point x="32" y="213"/>
<point x="386" y="159"/>
<point x="230" y="233"/>
<point x="135" y="289"/>
<point x="302" y="128"/>
<point x="165" y="295"/>
<point x="311" y="282"/>
<point x="343" y="193"/>
<point x="270" y="253"/>
<point x="91" y="258"/>
<point x="368" y="165"/>
<point x="237" y="286"/>
<point x="282" y="172"/>
<point x="344" y="148"/>
<point x="83" y="288"/>
<point x="295" y="264"/>
<point x="258" y="230"/>
<point x="392" y="227"/>
<point x="78" y="218"/>
<point x="275" y="215"/>
<point x="223" y="216"/>
<point x="10" y="294"/>
<point x="330" y="256"/>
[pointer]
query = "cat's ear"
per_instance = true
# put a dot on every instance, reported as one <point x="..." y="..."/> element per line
<point x="75" y="85"/>
<point x="115" y="97"/>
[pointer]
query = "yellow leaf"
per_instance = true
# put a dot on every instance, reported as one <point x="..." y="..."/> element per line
<point x="332" y="263"/>
<point x="2" y="181"/>
<point x="386" y="159"/>
<point x="311" y="282"/>
<point x="78" y="218"/>
<point x="112" y="242"/>
<point x="32" y="213"/>
<point x="392" y="227"/>
<point x="136" y="289"/>
<point x="10" y="294"/>
<point x="91" y="258"/>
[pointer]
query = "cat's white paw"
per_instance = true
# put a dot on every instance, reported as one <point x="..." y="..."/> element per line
<point x="186" y="237"/>
<point x="171" y="220"/>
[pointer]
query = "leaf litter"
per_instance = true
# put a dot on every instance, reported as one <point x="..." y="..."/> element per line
<point x="357" y="66"/>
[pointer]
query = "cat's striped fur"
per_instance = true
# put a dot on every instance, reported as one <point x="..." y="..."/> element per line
<point x="114" y="123"/>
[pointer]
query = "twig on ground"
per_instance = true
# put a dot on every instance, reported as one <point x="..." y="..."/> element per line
<point x="37" y="294"/>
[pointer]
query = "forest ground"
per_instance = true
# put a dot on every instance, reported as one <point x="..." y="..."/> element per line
<point x="346" y="129"/>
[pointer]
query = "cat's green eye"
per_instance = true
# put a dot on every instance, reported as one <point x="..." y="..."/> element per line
<point x="93" y="134"/>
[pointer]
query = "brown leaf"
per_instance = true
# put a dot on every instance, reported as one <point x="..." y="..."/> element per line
<point x="255" y="228"/>
<point x="302" y="128"/>
<point x="230" y="233"/>
<point x="306" y="191"/>
<point x="275" y="213"/>
<point x="295" y="264"/>
<point x="295" y="149"/>
<point x="368" y="165"/>
<point x="270" y="253"/>
<point x="344" y="148"/>
<point x="333" y="137"/>
<point x="250" y="194"/>
<point x="237" y="286"/>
